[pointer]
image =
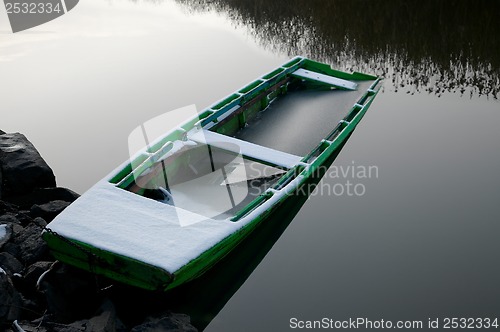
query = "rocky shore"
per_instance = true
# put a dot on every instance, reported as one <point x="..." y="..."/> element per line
<point x="38" y="293"/>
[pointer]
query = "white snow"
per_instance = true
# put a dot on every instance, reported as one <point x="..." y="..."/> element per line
<point x="337" y="82"/>
<point x="223" y="116"/>
<point x="176" y="147"/>
<point x="3" y="231"/>
<point x="128" y="224"/>
<point x="2" y="271"/>
<point x="247" y="149"/>
<point x="239" y="174"/>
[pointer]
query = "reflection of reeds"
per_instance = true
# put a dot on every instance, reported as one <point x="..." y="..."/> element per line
<point x="430" y="45"/>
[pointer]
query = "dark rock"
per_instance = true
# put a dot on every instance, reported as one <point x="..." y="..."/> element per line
<point x="30" y="327"/>
<point x="31" y="308"/>
<point x="5" y="234"/>
<point x="34" y="271"/>
<point x="10" y="300"/>
<point x="7" y="207"/>
<point x="43" y="195"/>
<point x="9" y="218"/>
<point x="22" y="167"/>
<point x="47" y="324"/>
<point x="40" y="222"/>
<point x="10" y="264"/>
<point x="172" y="322"/>
<point x="120" y="326"/>
<point x="74" y="327"/>
<point x="12" y="249"/>
<point x="13" y="222"/>
<point x="70" y="294"/>
<point x="48" y="211"/>
<point x="31" y="245"/>
<point x="23" y="218"/>
<point x="104" y="321"/>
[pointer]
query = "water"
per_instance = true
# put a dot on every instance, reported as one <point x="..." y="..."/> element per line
<point x="421" y="242"/>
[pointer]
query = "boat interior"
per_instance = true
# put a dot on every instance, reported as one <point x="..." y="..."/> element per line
<point x="251" y="144"/>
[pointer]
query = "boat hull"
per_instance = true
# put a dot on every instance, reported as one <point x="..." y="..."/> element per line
<point x="226" y="120"/>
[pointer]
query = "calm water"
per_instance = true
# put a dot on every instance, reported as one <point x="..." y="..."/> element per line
<point x="420" y="242"/>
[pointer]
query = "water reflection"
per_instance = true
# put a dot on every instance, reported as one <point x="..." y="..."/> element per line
<point x="432" y="46"/>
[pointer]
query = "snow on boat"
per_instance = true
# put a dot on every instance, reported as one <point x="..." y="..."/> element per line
<point x="189" y="197"/>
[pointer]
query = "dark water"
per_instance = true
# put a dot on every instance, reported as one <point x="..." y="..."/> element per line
<point x="421" y="240"/>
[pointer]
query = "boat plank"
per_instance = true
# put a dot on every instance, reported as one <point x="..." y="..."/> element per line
<point x="333" y="81"/>
<point x="247" y="149"/>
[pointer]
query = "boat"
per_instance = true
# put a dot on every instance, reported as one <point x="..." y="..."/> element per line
<point x="188" y="197"/>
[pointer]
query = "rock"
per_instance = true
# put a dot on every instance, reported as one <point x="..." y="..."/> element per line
<point x="31" y="245"/>
<point x="10" y="300"/>
<point x="12" y="249"/>
<point x="70" y="294"/>
<point x="46" y="324"/>
<point x="172" y="322"/>
<point x="48" y="211"/>
<point x="2" y="132"/>
<point x="43" y="195"/>
<point x="23" y="218"/>
<point x="40" y="222"/>
<point x="33" y="273"/>
<point x="74" y="327"/>
<point x="104" y="321"/>
<point x="31" y="307"/>
<point x="5" y="234"/>
<point x="30" y="327"/>
<point x="13" y="222"/>
<point x="7" y="207"/>
<point x="10" y="264"/>
<point x="22" y="167"/>
<point x="33" y="301"/>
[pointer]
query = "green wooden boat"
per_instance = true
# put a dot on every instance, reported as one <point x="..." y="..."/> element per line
<point x="192" y="194"/>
